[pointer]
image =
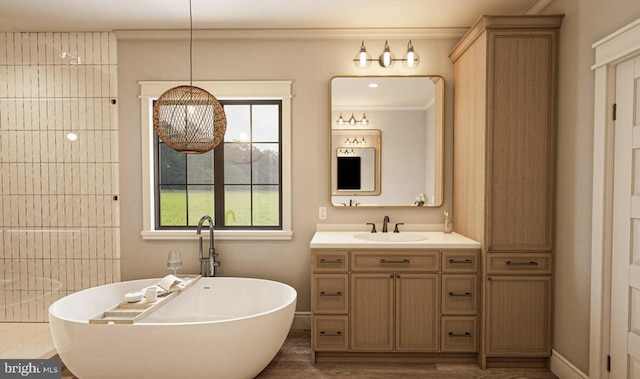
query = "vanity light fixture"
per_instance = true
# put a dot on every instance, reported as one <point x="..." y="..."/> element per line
<point x="355" y="141"/>
<point x="189" y="119"/>
<point x="353" y="121"/>
<point x="411" y="59"/>
<point x="346" y="152"/>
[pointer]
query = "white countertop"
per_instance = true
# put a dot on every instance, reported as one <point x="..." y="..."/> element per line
<point x="434" y="240"/>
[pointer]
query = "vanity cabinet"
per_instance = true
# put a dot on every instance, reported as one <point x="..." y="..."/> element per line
<point x="394" y="306"/>
<point x="397" y="301"/>
<point x="505" y="105"/>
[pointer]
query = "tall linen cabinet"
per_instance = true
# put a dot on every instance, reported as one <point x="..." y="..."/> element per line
<point x="505" y="105"/>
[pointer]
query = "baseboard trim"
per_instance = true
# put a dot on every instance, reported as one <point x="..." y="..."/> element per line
<point x="302" y="320"/>
<point x="564" y="369"/>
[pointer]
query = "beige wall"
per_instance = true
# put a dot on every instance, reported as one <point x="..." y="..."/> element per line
<point x="310" y="64"/>
<point x="586" y="21"/>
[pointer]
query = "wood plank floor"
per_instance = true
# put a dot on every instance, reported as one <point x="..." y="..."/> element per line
<point x="293" y="362"/>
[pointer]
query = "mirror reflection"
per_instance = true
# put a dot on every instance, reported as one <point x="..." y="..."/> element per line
<point x="387" y="141"/>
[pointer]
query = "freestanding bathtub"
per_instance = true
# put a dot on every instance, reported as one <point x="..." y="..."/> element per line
<point x="218" y="328"/>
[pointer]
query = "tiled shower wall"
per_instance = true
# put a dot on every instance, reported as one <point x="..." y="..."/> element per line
<point x="58" y="201"/>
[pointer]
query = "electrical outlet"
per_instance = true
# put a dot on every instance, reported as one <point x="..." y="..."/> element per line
<point x="322" y="213"/>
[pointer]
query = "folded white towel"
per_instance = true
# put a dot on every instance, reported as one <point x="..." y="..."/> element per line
<point x="171" y="283"/>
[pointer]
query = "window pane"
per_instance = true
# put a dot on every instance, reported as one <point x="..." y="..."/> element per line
<point x="237" y="169"/>
<point x="266" y="169"/>
<point x="238" y="123"/>
<point x="201" y="202"/>
<point x="237" y="203"/>
<point x="172" y="166"/>
<point x="200" y="168"/>
<point x="173" y="206"/>
<point x="266" y="205"/>
<point x="265" y="123"/>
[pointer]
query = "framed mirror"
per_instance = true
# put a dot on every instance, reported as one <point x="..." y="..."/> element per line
<point x="387" y="141"/>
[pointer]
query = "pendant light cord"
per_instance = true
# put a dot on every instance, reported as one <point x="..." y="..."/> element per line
<point x="190" y="46"/>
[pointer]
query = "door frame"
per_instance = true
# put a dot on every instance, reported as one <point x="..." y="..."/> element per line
<point x="609" y="51"/>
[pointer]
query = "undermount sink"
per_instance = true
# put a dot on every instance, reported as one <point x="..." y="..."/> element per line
<point x="391" y="237"/>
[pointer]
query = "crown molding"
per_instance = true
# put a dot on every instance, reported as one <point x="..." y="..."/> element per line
<point x="339" y="33"/>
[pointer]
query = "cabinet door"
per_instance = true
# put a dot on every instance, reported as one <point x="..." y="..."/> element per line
<point x="371" y="312"/>
<point x="417" y="312"/>
<point x="521" y="141"/>
<point x="518" y="314"/>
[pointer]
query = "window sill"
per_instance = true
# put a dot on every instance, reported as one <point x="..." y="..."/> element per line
<point x="240" y="235"/>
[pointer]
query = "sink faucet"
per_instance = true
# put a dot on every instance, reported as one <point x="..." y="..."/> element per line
<point x="208" y="266"/>
<point x="385" y="221"/>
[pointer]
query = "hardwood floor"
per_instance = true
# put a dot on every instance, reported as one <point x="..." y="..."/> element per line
<point x="293" y="362"/>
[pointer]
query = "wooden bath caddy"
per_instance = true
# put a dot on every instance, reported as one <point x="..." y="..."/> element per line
<point x="128" y="313"/>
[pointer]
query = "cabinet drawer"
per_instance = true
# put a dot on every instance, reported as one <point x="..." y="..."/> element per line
<point x="330" y="293"/>
<point x="330" y="261"/>
<point x="511" y="264"/>
<point x="459" y="261"/>
<point x="459" y="294"/>
<point x="330" y="333"/>
<point x="397" y="261"/>
<point x="459" y="334"/>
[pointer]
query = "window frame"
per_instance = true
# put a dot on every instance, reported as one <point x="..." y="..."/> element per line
<point x="223" y="90"/>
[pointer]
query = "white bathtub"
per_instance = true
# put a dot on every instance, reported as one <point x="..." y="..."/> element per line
<point x="219" y="328"/>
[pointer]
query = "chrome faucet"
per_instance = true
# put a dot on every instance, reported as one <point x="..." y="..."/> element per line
<point x="385" y="221"/>
<point x="208" y="266"/>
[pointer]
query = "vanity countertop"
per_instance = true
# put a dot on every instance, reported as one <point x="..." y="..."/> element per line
<point x="355" y="239"/>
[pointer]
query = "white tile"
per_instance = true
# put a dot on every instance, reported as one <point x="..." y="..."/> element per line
<point x="113" y="81"/>
<point x="19" y="86"/>
<point x="78" y="273"/>
<point x="93" y="246"/>
<point x="47" y="46"/>
<point x="57" y="81"/>
<point x="5" y="178"/>
<point x="97" y="80"/>
<point x="3" y="48"/>
<point x="50" y="84"/>
<point x="33" y="48"/>
<point x="3" y="80"/>
<point x="57" y="49"/>
<point x="11" y="81"/>
<point x="89" y="81"/>
<point x="91" y="267"/>
<point x="6" y="216"/>
<point x="97" y="39"/>
<point x="9" y="49"/>
<point x="42" y="48"/>
<point x="26" y="48"/>
<point x="65" y="49"/>
<point x="66" y="79"/>
<point x="17" y="48"/>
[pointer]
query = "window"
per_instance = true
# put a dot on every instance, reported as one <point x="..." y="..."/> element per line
<point x="237" y="183"/>
<point x="243" y="184"/>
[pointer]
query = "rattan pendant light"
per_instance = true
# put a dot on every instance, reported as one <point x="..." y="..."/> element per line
<point x="189" y="119"/>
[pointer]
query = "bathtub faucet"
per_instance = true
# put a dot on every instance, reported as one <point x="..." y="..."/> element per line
<point x="208" y="266"/>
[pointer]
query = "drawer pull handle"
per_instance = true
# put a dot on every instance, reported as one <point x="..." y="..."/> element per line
<point x="465" y="334"/>
<point x="510" y="263"/>
<point x="338" y="293"/>
<point x="325" y="334"/>
<point x="467" y="294"/>
<point x="322" y="260"/>
<point x="465" y="262"/>
<point x="404" y="261"/>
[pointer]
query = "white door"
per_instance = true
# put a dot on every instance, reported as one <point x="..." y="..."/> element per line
<point x="625" y="278"/>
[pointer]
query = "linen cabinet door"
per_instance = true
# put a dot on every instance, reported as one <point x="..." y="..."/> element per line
<point x="417" y="312"/>
<point x="518" y="316"/>
<point x="371" y="312"/>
